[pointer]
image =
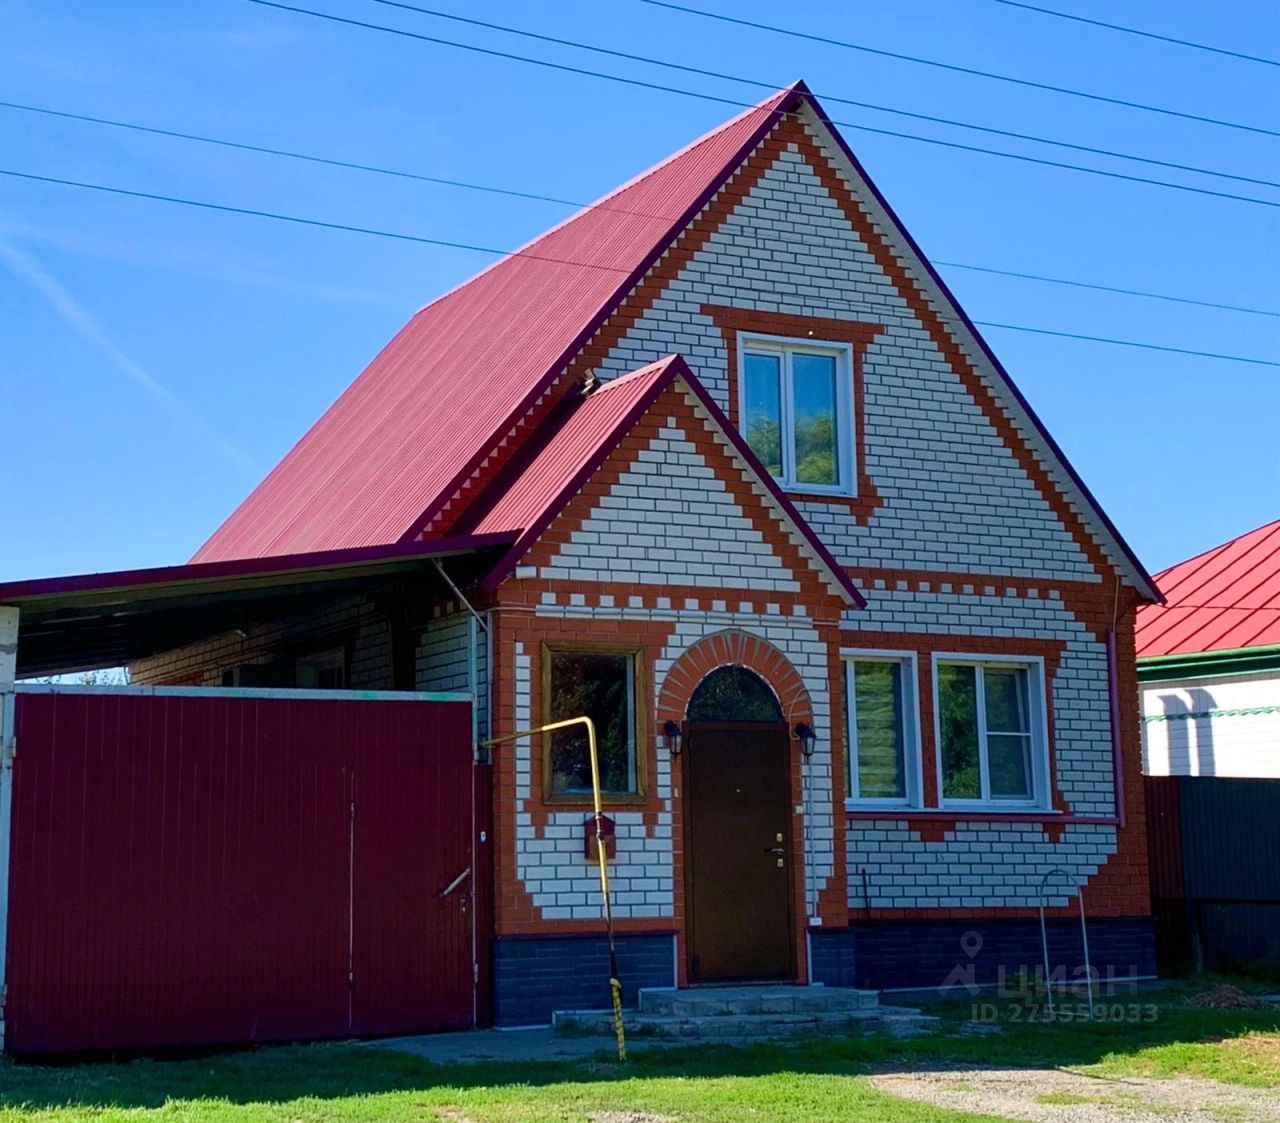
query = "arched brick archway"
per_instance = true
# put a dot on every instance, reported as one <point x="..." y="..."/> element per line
<point x="738" y="649"/>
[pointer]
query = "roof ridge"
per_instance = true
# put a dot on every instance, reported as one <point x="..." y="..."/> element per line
<point x="1274" y="524"/>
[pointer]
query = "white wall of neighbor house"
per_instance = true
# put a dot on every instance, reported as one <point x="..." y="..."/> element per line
<point x="1212" y="727"/>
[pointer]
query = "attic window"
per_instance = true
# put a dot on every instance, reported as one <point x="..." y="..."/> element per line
<point x="796" y="413"/>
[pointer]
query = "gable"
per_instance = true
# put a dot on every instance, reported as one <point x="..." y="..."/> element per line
<point x="957" y="479"/>
<point x="406" y="448"/>
<point x="676" y="505"/>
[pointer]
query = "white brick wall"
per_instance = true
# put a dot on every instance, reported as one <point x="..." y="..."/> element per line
<point x="551" y="864"/>
<point x="955" y="497"/>
<point x="994" y="865"/>
<point x="670" y="520"/>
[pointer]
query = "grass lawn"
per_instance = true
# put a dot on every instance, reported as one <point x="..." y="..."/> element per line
<point x="810" y="1080"/>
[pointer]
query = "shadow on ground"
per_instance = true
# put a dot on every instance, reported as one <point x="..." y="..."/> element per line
<point x="281" y="1074"/>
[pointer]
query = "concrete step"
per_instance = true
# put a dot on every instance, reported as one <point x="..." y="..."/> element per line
<point x="745" y="1028"/>
<point x="710" y="1002"/>
<point x="718" y="1027"/>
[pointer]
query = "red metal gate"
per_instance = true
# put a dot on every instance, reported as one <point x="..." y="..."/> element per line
<point x="198" y="868"/>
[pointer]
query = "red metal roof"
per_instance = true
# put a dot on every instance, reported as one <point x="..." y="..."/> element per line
<point x="398" y="441"/>
<point x="574" y="449"/>
<point x="542" y="482"/>
<point x="1222" y="600"/>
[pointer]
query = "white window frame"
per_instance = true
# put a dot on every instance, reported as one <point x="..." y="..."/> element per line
<point x="785" y="346"/>
<point x="911" y="756"/>
<point x="1037" y="722"/>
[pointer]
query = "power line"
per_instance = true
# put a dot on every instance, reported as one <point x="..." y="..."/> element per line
<point x="825" y="97"/>
<point x="563" y="67"/>
<point x="557" y="200"/>
<point x="371" y="231"/>
<point x="1138" y="31"/>
<point x="963" y="69"/>
<point x="1106" y="288"/>
<point x="1128" y="343"/>
<point x="398" y="236"/>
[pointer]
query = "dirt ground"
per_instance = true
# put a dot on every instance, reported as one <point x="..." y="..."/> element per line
<point x="1063" y="1096"/>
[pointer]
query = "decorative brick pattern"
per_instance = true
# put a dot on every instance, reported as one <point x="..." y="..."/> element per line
<point x="788" y="247"/>
<point x="669" y="516"/>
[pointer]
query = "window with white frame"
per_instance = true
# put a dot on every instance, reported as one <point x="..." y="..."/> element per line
<point x="796" y="413"/>
<point x="883" y="729"/>
<point x="992" y="733"/>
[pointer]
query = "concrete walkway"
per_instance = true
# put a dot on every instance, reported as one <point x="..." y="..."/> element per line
<point x="507" y="1045"/>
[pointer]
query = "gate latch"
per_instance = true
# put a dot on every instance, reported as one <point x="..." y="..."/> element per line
<point x="455" y="882"/>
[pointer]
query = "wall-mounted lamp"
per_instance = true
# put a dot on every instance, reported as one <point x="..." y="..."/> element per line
<point x="806" y="736"/>
<point x="671" y="734"/>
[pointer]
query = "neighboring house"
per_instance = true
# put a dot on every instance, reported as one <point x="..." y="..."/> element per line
<point x="858" y="640"/>
<point x="1209" y="663"/>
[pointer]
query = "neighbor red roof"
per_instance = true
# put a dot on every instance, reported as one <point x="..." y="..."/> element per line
<point x="1222" y="600"/>
<point x="398" y="441"/>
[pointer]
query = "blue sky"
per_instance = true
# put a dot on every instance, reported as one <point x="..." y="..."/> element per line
<point x="156" y="361"/>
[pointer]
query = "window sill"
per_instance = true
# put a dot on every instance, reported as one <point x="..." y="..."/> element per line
<point x="607" y="800"/>
<point x="974" y="815"/>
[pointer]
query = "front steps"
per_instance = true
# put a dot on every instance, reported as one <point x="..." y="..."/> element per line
<point x="750" y="1013"/>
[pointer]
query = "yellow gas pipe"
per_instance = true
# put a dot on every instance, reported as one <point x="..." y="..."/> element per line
<point x="615" y="987"/>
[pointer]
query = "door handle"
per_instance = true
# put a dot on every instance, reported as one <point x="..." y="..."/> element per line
<point x="775" y="850"/>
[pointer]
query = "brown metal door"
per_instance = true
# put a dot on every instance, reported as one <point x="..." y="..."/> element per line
<point x="737" y="852"/>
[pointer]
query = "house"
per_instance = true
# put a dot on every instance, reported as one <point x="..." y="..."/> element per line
<point x="723" y="465"/>
<point x="1209" y="671"/>
<point x="1209" y="663"/>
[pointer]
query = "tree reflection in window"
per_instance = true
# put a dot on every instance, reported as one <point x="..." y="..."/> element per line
<point x="733" y="694"/>
<point x="601" y="686"/>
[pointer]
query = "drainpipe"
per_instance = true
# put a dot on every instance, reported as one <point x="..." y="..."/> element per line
<point x="8" y="747"/>
<point x="1117" y="761"/>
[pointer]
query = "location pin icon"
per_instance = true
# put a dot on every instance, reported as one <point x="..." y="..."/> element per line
<point x="971" y="944"/>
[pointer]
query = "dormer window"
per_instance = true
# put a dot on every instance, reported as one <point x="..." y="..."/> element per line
<point x="796" y="413"/>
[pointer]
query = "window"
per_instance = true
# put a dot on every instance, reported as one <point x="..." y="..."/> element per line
<point x="322" y="670"/>
<point x="602" y="684"/>
<point x="883" y="729"/>
<point x="795" y="411"/>
<point x="734" y="694"/>
<point x="992" y="742"/>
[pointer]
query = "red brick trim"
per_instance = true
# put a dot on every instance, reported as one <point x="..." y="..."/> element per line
<point x="733" y="648"/>
<point x="673" y="405"/>
<point x="736" y="648"/>
<point x="915" y="298"/>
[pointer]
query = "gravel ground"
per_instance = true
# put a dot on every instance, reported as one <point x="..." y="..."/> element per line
<point x="1062" y="1096"/>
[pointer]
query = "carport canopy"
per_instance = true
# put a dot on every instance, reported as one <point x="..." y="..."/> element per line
<point x="90" y="621"/>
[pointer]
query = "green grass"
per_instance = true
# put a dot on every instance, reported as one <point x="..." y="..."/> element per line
<point x="812" y="1079"/>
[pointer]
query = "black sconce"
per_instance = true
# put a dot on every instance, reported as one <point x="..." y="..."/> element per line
<point x="807" y="738"/>
<point x="671" y="734"/>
